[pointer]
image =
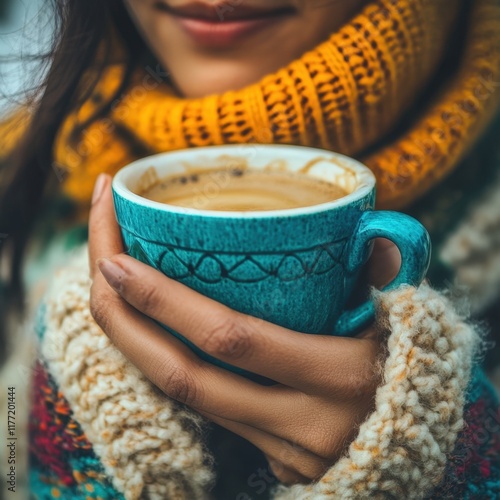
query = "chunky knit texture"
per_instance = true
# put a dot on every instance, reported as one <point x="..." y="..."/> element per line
<point x="400" y="451"/>
<point x="150" y="447"/>
<point x="147" y="444"/>
<point x="345" y="95"/>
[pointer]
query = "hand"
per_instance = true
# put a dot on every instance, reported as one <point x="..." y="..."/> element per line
<point x="325" y="385"/>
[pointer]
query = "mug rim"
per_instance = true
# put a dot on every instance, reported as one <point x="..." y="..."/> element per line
<point x="366" y="181"/>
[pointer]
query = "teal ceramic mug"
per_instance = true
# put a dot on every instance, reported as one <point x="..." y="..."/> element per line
<point x="296" y="268"/>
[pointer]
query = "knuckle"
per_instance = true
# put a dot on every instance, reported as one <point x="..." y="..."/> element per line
<point x="177" y="382"/>
<point x="279" y="471"/>
<point x="364" y="381"/>
<point x="103" y="308"/>
<point x="148" y="299"/>
<point x="324" y="440"/>
<point x="228" y="339"/>
<point x="304" y="461"/>
<point x="333" y="436"/>
<point x="293" y="471"/>
<point x="98" y="305"/>
<point x="359" y="382"/>
<point x="283" y="473"/>
<point x="327" y="446"/>
<point x="96" y="225"/>
<point x="311" y="468"/>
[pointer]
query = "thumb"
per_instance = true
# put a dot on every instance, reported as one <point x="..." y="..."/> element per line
<point x="104" y="233"/>
<point x="384" y="263"/>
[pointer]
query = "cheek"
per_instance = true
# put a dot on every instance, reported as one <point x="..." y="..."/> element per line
<point x="135" y="8"/>
<point x="142" y="14"/>
<point x="326" y="16"/>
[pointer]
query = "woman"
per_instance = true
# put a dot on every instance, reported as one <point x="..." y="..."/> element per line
<point x="120" y="408"/>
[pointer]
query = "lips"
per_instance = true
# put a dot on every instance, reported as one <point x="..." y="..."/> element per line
<point x="223" y="24"/>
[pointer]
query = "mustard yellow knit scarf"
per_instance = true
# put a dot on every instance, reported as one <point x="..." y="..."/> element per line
<point x="348" y="95"/>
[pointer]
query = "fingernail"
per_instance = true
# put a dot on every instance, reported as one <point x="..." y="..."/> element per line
<point x="113" y="273"/>
<point x="99" y="186"/>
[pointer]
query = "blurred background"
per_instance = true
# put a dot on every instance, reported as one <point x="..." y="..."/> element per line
<point x="25" y="31"/>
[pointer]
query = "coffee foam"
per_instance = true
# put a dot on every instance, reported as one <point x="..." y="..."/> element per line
<point x="241" y="189"/>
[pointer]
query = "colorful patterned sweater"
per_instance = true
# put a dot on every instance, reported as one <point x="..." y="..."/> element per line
<point x="64" y="464"/>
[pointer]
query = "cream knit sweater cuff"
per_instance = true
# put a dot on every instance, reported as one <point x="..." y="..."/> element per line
<point x="153" y="448"/>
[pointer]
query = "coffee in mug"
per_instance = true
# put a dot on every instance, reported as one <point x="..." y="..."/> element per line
<point x="295" y="267"/>
<point x="242" y="189"/>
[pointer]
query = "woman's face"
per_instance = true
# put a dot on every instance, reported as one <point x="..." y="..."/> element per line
<point x="210" y="46"/>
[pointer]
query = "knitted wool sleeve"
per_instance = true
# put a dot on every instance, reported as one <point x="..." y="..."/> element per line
<point x="401" y="449"/>
<point x="151" y="447"/>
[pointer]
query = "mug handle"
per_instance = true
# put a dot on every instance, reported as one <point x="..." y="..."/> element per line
<point x="414" y="244"/>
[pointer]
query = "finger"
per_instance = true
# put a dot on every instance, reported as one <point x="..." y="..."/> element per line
<point x="320" y="442"/>
<point x="384" y="264"/>
<point x="306" y="362"/>
<point x="104" y="233"/>
<point x="284" y="475"/>
<point x="286" y="458"/>
<point x="173" y="367"/>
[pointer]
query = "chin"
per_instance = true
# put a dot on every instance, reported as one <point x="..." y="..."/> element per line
<point x="200" y="80"/>
<point x="215" y="86"/>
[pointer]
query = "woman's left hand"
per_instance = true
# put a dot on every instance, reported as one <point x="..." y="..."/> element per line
<point x="325" y="385"/>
